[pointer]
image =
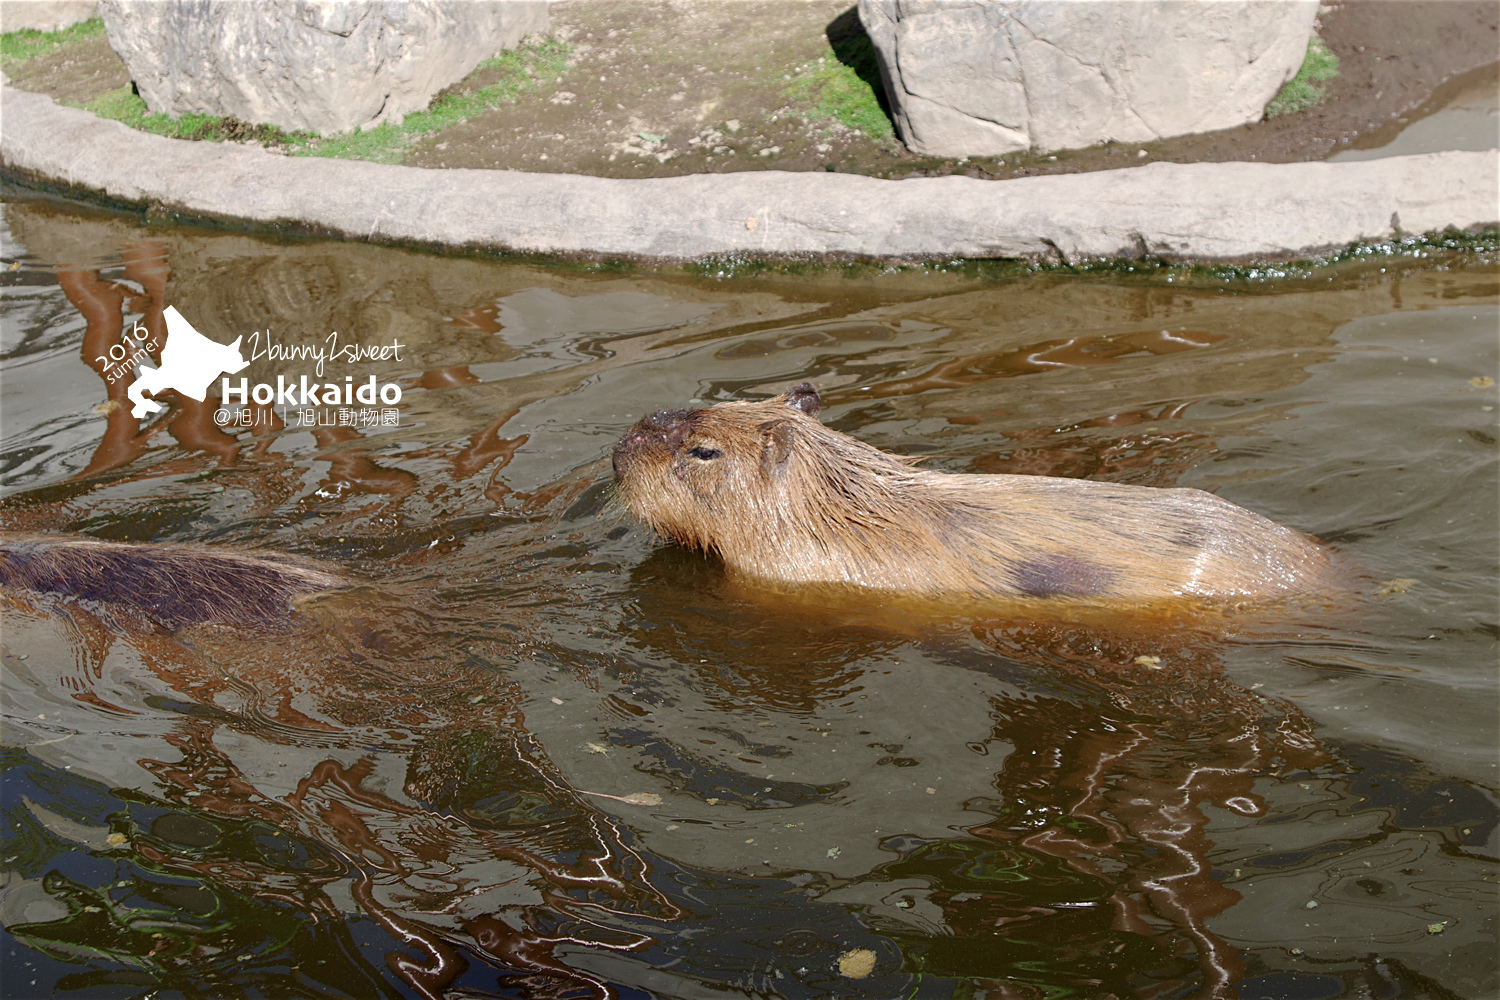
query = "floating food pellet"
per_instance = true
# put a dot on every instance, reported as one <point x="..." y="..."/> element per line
<point x="857" y="963"/>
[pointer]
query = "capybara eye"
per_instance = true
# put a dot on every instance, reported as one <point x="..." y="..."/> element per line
<point x="706" y="454"/>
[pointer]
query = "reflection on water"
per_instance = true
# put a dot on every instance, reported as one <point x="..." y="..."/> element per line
<point x="534" y="753"/>
<point x="1468" y="119"/>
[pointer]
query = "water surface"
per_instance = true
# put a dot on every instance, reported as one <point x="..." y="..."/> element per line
<point x="534" y="752"/>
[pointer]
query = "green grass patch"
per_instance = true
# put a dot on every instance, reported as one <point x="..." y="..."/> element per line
<point x="845" y="87"/>
<point x="28" y="43"/>
<point x="1304" y="90"/>
<point x="125" y="106"/>
<point x="521" y="69"/>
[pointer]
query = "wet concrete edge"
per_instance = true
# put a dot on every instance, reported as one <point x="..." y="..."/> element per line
<point x="1197" y="212"/>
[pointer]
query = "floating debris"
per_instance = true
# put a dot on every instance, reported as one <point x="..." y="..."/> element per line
<point x="1399" y="585"/>
<point x="857" y="963"/>
<point x="633" y="799"/>
<point x="1150" y="662"/>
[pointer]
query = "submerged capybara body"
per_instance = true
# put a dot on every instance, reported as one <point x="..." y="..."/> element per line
<point x="781" y="497"/>
<point x="171" y="585"/>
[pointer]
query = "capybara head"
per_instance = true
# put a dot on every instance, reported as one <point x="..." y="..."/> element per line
<point x="738" y="475"/>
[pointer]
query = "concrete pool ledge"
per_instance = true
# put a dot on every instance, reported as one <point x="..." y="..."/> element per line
<point x="1195" y="211"/>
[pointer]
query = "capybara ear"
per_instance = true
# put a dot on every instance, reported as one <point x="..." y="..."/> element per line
<point x="775" y="445"/>
<point x="805" y="398"/>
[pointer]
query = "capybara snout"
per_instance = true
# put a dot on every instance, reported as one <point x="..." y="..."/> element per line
<point x="661" y="432"/>
<point x="777" y="495"/>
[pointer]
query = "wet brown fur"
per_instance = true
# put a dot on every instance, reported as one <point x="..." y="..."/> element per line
<point x="173" y="586"/>
<point x="781" y="497"/>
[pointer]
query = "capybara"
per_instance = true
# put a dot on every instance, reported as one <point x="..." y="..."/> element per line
<point x="171" y="585"/>
<point x="781" y="497"/>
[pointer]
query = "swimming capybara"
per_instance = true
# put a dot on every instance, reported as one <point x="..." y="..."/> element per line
<point x="171" y="585"/>
<point x="781" y="497"/>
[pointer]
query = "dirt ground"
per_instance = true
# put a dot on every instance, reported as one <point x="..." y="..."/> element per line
<point x="75" y="74"/>
<point x="666" y="87"/>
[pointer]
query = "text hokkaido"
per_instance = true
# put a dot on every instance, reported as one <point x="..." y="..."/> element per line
<point x="305" y="393"/>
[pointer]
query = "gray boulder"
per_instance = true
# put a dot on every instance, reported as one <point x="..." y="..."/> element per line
<point x="320" y="65"/>
<point x="989" y="77"/>
<point x="44" y="15"/>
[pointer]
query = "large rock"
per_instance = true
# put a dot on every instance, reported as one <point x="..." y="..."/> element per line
<point x="320" y="65"/>
<point x="988" y="77"/>
<point x="44" y="15"/>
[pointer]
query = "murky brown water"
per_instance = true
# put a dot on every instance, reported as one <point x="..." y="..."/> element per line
<point x="534" y="753"/>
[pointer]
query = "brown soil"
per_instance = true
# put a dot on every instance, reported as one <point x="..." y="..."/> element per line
<point x="677" y="69"/>
<point x="74" y="74"/>
<point x="711" y="80"/>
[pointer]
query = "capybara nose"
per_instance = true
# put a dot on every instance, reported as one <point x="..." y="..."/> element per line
<point x="621" y="456"/>
<point x="665" y="428"/>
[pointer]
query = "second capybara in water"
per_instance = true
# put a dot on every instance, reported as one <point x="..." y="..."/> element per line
<point x="171" y="585"/>
<point x="781" y="497"/>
